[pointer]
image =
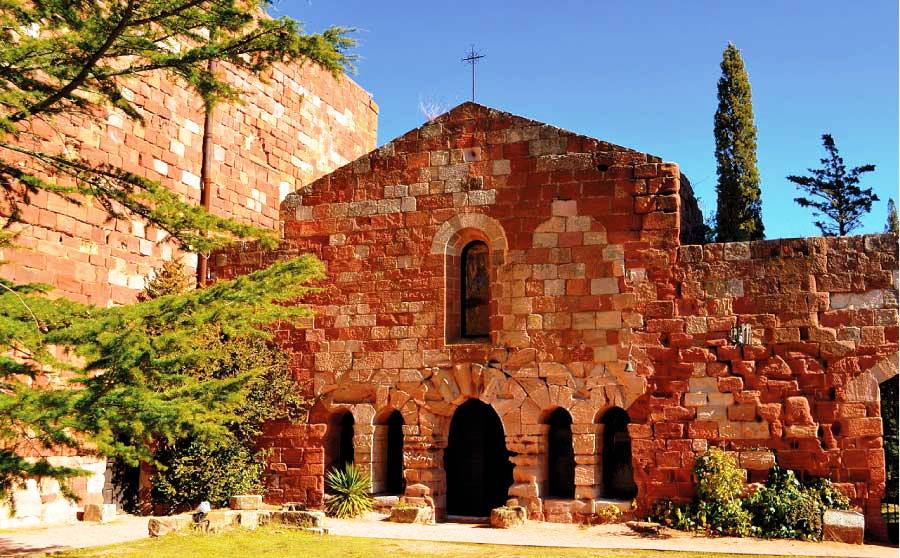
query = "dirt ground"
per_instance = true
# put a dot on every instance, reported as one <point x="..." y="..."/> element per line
<point x="128" y="528"/>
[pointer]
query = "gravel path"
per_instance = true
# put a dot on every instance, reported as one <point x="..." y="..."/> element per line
<point x="129" y="528"/>
<point x="601" y="536"/>
<point x="21" y="542"/>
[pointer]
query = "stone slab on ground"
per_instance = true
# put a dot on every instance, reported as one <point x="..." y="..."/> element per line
<point x="508" y="517"/>
<point x="843" y="526"/>
<point x="245" y="502"/>
<point x="102" y="513"/>
<point x="310" y="519"/>
<point x="411" y="514"/>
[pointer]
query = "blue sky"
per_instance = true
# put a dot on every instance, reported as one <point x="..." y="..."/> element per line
<point x="643" y="75"/>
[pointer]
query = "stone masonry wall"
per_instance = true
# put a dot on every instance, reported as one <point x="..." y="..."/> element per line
<point x="824" y="317"/>
<point x="295" y="124"/>
<point x="562" y="215"/>
<point x="587" y="275"/>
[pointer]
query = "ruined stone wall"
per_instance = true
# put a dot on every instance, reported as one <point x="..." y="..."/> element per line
<point x="295" y="124"/>
<point x="823" y="312"/>
<point x="570" y="222"/>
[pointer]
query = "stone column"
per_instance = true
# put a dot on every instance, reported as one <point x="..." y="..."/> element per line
<point x="529" y="469"/>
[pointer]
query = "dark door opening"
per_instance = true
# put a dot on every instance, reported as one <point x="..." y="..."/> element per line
<point x="476" y="461"/>
<point x="394" y="483"/>
<point x="618" y="472"/>
<point x="560" y="456"/>
<point x="345" y="447"/>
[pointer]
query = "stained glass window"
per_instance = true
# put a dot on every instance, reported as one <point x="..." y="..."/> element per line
<point x="475" y="290"/>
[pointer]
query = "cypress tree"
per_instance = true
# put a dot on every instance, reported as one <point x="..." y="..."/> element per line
<point x="892" y="225"/>
<point x="739" y="209"/>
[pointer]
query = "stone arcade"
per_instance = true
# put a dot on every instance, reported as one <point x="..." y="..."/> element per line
<point x="514" y="310"/>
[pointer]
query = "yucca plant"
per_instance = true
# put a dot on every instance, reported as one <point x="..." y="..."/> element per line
<point x="349" y="488"/>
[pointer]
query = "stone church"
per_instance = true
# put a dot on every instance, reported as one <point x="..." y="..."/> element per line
<point x="517" y="311"/>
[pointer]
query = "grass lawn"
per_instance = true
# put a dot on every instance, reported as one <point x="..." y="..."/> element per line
<point x="272" y="542"/>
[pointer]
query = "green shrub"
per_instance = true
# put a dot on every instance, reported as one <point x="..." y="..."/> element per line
<point x="719" y="485"/>
<point x="216" y="467"/>
<point x="718" y="476"/>
<point x="673" y="514"/>
<point x="785" y="508"/>
<point x="349" y="492"/>
<point x="608" y="514"/>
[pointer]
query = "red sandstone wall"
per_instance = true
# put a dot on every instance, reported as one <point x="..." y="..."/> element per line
<point x="565" y="217"/>
<point x="589" y="273"/>
<point x="824" y="318"/>
<point x="293" y="127"/>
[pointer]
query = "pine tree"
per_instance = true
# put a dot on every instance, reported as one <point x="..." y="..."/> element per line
<point x="62" y="57"/>
<point x="739" y="209"/>
<point x="835" y="193"/>
<point x="127" y="376"/>
<point x="892" y="225"/>
<point x="170" y="279"/>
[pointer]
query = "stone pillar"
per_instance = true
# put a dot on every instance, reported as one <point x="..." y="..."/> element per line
<point x="379" y="458"/>
<point x="588" y="464"/>
<point x="529" y="468"/>
<point x="363" y="435"/>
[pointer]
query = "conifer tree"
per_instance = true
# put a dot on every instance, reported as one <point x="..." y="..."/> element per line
<point x="133" y="380"/>
<point x="738" y="207"/>
<point x="892" y="225"/>
<point x="61" y="57"/>
<point x="835" y="193"/>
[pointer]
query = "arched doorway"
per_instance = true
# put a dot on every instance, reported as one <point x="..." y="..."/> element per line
<point x="476" y="461"/>
<point x="387" y="455"/>
<point x="339" y="441"/>
<point x="618" y="472"/>
<point x="560" y="456"/>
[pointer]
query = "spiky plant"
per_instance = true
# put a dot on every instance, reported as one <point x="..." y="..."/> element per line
<point x="349" y="489"/>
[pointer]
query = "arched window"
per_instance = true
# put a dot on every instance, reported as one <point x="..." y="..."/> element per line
<point x="560" y="456"/>
<point x="475" y="290"/>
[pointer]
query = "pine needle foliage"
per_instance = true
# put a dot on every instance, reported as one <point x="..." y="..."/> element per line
<point x="348" y="489"/>
<point x="834" y="192"/>
<point x="65" y="57"/>
<point x="170" y="279"/>
<point x="190" y="470"/>
<point x="135" y="381"/>
<point x="739" y="203"/>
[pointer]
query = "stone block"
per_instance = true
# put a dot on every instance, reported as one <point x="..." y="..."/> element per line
<point x="757" y="460"/>
<point x="506" y="518"/>
<point x="843" y="526"/>
<point x="159" y="526"/>
<point x="99" y="512"/>
<point x="412" y="514"/>
<point x="245" y="502"/>
<point x="314" y="519"/>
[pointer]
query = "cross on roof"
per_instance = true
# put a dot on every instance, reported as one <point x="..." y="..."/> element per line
<point x="472" y="58"/>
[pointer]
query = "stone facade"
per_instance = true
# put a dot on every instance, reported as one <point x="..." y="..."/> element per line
<point x="295" y="124"/>
<point x="595" y="308"/>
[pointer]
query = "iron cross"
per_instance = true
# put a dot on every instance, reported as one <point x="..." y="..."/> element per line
<point x="473" y="59"/>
